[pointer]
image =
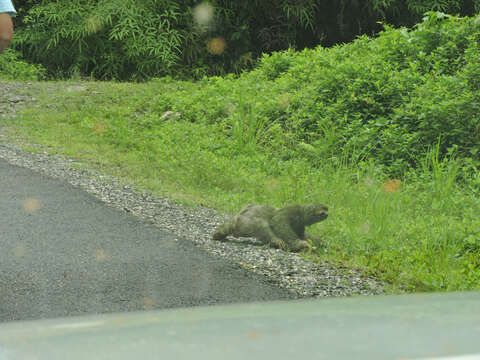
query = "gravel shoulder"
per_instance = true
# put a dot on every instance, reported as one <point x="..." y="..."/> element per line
<point x="287" y="270"/>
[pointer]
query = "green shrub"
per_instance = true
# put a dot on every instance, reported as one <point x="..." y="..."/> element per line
<point x="131" y="39"/>
<point x="106" y="39"/>
<point x="13" y="68"/>
<point x="390" y="99"/>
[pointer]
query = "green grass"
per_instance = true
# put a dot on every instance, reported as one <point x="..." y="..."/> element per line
<point x="420" y="234"/>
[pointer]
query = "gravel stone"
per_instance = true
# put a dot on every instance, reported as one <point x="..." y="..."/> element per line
<point x="287" y="270"/>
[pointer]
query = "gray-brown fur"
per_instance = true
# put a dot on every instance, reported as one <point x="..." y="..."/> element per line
<point x="280" y="228"/>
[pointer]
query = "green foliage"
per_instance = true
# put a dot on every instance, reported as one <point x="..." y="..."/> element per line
<point x="421" y="6"/>
<point x="388" y="99"/>
<point x="104" y="38"/>
<point x="13" y="68"/>
<point x="137" y="39"/>
<point x="421" y="236"/>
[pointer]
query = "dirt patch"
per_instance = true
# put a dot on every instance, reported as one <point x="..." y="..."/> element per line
<point x="15" y="96"/>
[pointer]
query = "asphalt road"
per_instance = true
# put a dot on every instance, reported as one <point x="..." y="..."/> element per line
<point x="64" y="253"/>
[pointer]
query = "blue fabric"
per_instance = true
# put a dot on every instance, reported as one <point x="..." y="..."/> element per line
<point x="7" y="6"/>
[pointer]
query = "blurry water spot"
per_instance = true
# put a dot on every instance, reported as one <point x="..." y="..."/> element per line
<point x="283" y="101"/>
<point x="364" y="228"/>
<point x="391" y="186"/>
<point x="272" y="184"/>
<point x="93" y="24"/>
<point x="253" y="335"/>
<point x="217" y="45"/>
<point x="31" y="205"/>
<point x="98" y="128"/>
<point x="119" y="321"/>
<point x="203" y="14"/>
<point x="20" y="250"/>
<point x="369" y="181"/>
<point x="148" y="303"/>
<point x="100" y="254"/>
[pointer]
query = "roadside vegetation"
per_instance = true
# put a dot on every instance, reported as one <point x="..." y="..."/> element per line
<point x="137" y="40"/>
<point x="12" y="67"/>
<point x="383" y="130"/>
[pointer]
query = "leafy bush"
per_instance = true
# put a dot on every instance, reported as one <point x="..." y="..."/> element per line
<point x="105" y="39"/>
<point x="13" y="68"/>
<point x="114" y="39"/>
<point x="389" y="99"/>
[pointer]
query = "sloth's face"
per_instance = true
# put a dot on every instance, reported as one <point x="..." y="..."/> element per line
<point x="319" y="213"/>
